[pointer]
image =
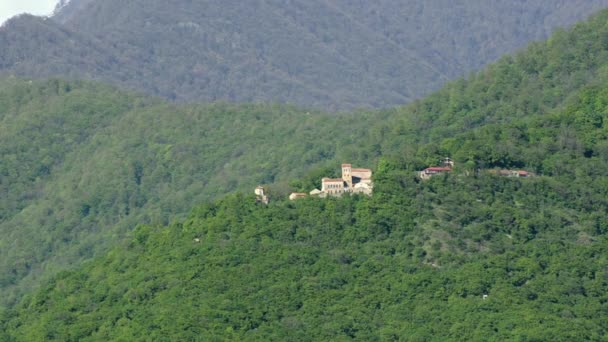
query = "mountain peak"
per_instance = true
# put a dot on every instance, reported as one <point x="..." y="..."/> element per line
<point x="60" y="5"/>
<point x="68" y="9"/>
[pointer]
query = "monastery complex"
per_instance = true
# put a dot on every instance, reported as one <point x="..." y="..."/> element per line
<point x="353" y="181"/>
<point x="359" y="181"/>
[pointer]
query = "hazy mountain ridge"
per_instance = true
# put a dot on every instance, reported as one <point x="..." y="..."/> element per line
<point x="67" y="52"/>
<point x="321" y="53"/>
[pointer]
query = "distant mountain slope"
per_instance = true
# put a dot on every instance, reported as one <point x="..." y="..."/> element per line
<point x="42" y="47"/>
<point x="315" y="53"/>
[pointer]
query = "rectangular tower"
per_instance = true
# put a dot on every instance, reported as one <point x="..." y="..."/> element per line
<point x="347" y="174"/>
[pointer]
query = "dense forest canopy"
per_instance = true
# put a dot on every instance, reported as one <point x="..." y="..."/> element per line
<point x="474" y="258"/>
<point x="329" y="54"/>
<point x="88" y="169"/>
<point x="83" y="163"/>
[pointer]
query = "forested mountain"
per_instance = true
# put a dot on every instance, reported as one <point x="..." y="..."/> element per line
<point x="83" y="163"/>
<point x="332" y="54"/>
<point x="86" y="163"/>
<point x="478" y="258"/>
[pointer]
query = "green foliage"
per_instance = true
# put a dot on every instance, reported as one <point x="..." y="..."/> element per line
<point x="83" y="163"/>
<point x="413" y="264"/>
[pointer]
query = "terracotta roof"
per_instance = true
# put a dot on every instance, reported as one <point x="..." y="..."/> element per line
<point x="332" y="180"/>
<point x="349" y="165"/>
<point x="438" y="169"/>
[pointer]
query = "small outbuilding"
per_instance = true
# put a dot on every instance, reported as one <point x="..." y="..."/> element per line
<point x="297" y="195"/>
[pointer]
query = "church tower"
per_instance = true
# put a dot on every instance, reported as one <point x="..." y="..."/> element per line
<point x="347" y="174"/>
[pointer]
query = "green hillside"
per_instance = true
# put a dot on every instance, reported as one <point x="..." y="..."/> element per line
<point x="83" y="163"/>
<point x="413" y="262"/>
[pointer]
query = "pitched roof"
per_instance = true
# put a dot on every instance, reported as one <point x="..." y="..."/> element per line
<point x="332" y="180"/>
<point x="438" y="169"/>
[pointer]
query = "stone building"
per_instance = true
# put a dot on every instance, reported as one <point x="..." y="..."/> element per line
<point x="434" y="171"/>
<point x="333" y="186"/>
<point x="447" y="165"/>
<point x="261" y="196"/>
<point x="512" y="173"/>
<point x="352" y="181"/>
<point x="297" y="195"/>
